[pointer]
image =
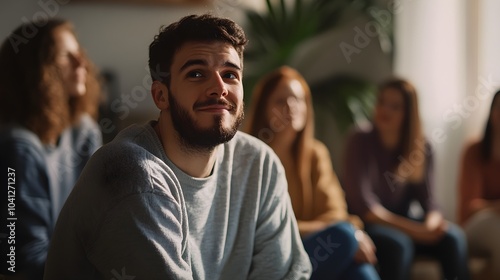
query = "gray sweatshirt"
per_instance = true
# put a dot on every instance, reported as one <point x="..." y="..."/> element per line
<point x="134" y="215"/>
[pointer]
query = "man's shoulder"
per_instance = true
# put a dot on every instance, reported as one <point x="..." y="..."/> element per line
<point x="250" y="149"/>
<point x="131" y="155"/>
<point x="125" y="144"/>
<point x="249" y="155"/>
<point x="135" y="140"/>
<point x="130" y="164"/>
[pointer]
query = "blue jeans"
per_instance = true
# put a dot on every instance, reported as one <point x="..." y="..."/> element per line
<point x="332" y="251"/>
<point x="395" y="252"/>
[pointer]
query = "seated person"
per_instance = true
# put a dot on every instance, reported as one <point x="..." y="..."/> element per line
<point x="386" y="169"/>
<point x="479" y="191"/>
<point x="186" y="196"/>
<point x="48" y="97"/>
<point x="282" y="116"/>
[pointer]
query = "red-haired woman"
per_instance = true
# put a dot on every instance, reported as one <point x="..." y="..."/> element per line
<point x="282" y="116"/>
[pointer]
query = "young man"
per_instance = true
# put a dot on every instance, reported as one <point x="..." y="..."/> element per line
<point x="187" y="196"/>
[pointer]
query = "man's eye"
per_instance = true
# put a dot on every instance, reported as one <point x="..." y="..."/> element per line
<point x="194" y="74"/>
<point x="230" y="76"/>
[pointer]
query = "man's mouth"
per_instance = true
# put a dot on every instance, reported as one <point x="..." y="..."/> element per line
<point x="214" y="105"/>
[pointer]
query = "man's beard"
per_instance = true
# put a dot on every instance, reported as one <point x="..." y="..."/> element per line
<point x="200" y="139"/>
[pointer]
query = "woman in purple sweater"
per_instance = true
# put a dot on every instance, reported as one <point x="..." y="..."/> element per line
<point x="386" y="169"/>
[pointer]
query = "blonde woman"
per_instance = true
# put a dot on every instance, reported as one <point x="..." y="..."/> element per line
<point x="281" y="114"/>
<point x="386" y="169"/>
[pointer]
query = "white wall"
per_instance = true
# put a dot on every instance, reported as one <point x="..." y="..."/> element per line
<point x="488" y="63"/>
<point x="431" y="53"/>
<point x="449" y="50"/>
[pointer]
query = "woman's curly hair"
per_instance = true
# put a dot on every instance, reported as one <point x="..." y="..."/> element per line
<point x="31" y="89"/>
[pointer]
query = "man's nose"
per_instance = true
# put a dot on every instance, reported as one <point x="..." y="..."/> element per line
<point x="217" y="86"/>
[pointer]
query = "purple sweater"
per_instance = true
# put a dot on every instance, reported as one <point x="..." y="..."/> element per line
<point x="369" y="176"/>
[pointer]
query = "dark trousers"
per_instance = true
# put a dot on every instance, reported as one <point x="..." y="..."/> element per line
<point x="332" y="251"/>
<point x="395" y="252"/>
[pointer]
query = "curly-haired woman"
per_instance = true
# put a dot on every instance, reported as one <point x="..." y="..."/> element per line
<point x="48" y="96"/>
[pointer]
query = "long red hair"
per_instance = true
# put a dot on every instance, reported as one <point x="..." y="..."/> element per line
<point x="258" y="124"/>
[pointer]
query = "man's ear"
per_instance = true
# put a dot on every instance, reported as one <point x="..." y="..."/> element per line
<point x="159" y="91"/>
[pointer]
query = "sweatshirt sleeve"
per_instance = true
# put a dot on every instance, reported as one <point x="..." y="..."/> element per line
<point x="124" y="219"/>
<point x="142" y="237"/>
<point x="278" y="250"/>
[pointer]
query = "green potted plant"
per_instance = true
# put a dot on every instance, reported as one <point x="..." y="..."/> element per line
<point x="276" y="35"/>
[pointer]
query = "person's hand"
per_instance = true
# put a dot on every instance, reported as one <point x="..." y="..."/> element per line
<point x="424" y="236"/>
<point x="366" y="250"/>
<point x="431" y="231"/>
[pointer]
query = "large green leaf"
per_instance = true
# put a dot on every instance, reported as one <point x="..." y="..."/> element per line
<point x="276" y="34"/>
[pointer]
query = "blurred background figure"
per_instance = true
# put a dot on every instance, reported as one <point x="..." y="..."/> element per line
<point x="386" y="169"/>
<point x="49" y="97"/>
<point x="281" y="114"/>
<point x="479" y="192"/>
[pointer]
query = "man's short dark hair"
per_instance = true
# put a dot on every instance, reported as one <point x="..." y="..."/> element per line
<point x="193" y="28"/>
